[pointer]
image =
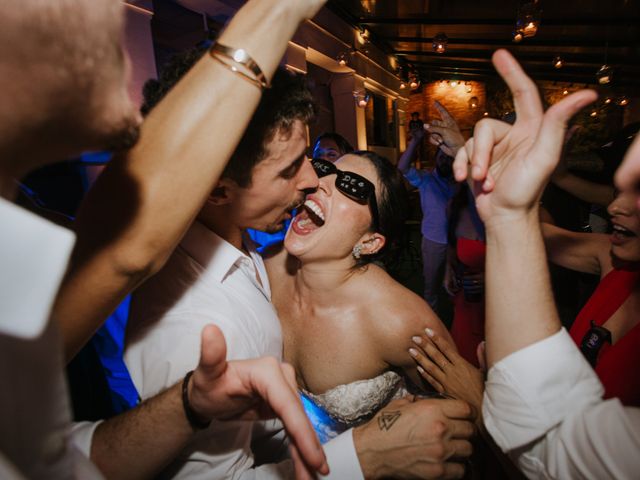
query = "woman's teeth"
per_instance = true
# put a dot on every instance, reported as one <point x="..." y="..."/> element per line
<point x="623" y="231"/>
<point x="315" y="209"/>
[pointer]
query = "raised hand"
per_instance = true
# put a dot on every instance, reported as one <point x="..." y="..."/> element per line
<point x="251" y="390"/>
<point x="510" y="165"/>
<point x="444" y="132"/>
<point x="440" y="364"/>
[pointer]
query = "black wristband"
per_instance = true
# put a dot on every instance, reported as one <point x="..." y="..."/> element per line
<point x="188" y="411"/>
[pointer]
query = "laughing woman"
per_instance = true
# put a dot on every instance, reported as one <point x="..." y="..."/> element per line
<point x="607" y="329"/>
<point x="346" y="323"/>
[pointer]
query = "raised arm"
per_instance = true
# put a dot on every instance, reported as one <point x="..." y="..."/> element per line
<point x="542" y="400"/>
<point x="584" y="252"/>
<point x="404" y="162"/>
<point x="590" y="192"/>
<point x="144" y="201"/>
<point x="510" y="167"/>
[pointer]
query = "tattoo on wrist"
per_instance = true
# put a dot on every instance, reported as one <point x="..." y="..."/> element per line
<point x="387" y="419"/>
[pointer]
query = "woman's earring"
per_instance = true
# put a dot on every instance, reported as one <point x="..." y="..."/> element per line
<point x="357" y="251"/>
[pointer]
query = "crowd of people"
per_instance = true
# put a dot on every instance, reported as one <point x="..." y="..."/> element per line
<point x="225" y="343"/>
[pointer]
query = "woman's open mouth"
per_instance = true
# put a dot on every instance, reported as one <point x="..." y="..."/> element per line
<point x="621" y="234"/>
<point x="309" y="218"/>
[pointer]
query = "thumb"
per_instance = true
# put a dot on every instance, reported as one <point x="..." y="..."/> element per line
<point x="213" y="352"/>
<point x="552" y="132"/>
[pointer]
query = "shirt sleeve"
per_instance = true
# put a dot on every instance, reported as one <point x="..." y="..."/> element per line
<point x="342" y="458"/>
<point x="543" y="404"/>
<point x="415" y="177"/>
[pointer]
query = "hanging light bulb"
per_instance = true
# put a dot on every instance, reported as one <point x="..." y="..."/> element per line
<point x="343" y="58"/>
<point x="593" y="114"/>
<point x="414" y="80"/>
<point x="361" y="97"/>
<point x="473" y="103"/>
<point x="607" y="100"/>
<point x="528" y="20"/>
<point x="558" y="62"/>
<point x="440" y="43"/>
<point x="517" y="36"/>
<point x="402" y="86"/>
<point x="604" y="75"/>
<point x="623" y="101"/>
<point x="485" y="114"/>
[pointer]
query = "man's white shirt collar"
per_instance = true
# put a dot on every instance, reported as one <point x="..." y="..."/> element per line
<point x="221" y="258"/>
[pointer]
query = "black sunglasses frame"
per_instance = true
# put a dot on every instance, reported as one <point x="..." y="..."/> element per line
<point x="351" y="185"/>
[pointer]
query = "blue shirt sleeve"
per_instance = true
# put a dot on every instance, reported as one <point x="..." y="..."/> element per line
<point x="416" y="177"/>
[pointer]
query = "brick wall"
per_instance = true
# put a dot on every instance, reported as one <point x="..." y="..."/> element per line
<point x="455" y="98"/>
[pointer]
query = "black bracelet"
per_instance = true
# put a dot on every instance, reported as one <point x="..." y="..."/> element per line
<point x="188" y="411"/>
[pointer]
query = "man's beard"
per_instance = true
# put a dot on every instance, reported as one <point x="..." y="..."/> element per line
<point x="277" y="226"/>
<point x="125" y="138"/>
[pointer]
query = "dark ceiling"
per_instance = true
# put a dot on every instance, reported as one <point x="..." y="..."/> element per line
<point x="582" y="32"/>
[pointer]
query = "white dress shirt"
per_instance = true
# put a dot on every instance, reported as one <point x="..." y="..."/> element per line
<point x="34" y="405"/>
<point x="543" y="404"/>
<point x="206" y="281"/>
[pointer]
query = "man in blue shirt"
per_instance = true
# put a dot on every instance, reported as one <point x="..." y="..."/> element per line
<point x="436" y="188"/>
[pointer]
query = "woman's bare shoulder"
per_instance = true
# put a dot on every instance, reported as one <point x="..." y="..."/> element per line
<point x="397" y="310"/>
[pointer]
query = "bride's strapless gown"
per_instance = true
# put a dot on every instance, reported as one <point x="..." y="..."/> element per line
<point x="349" y="405"/>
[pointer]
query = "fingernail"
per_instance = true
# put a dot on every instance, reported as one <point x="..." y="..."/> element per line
<point x="417" y="340"/>
<point x="429" y="332"/>
<point x="420" y="369"/>
<point x="413" y="352"/>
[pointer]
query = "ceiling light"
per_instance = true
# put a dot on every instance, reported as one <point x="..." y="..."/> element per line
<point x="454" y="83"/>
<point x="440" y="43"/>
<point x="528" y="19"/>
<point x="565" y="92"/>
<point x="623" y="101"/>
<point x="517" y="36"/>
<point x="361" y="98"/>
<point x="473" y="103"/>
<point x="558" y="62"/>
<point x="604" y="75"/>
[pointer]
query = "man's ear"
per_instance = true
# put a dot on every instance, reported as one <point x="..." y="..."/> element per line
<point x="372" y="243"/>
<point x="224" y="192"/>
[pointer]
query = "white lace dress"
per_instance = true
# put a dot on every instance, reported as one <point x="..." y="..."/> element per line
<point x="349" y="405"/>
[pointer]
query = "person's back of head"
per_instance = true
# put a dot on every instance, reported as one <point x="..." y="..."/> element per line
<point x="63" y="82"/>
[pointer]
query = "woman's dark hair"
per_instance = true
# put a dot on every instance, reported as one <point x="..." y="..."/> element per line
<point x="392" y="209"/>
<point x="287" y="101"/>
<point x="342" y="143"/>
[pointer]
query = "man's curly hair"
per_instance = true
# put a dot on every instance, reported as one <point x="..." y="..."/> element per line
<point x="286" y="101"/>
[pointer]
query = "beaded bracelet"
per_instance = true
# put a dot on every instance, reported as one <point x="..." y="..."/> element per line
<point x="238" y="61"/>
<point x="188" y="411"/>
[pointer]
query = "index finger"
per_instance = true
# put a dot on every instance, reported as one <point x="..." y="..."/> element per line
<point x="273" y="386"/>
<point x="444" y="113"/>
<point x="526" y="99"/>
<point x="443" y="345"/>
